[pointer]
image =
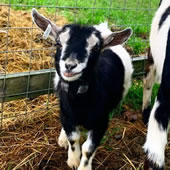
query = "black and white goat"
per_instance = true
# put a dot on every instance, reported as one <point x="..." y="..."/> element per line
<point x="93" y="75"/>
<point x="158" y="71"/>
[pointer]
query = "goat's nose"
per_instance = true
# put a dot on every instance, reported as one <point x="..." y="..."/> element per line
<point x="70" y="66"/>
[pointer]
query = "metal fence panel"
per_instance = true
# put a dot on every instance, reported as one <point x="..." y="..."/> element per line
<point x="22" y="48"/>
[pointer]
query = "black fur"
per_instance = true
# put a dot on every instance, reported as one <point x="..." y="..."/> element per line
<point x="92" y="108"/>
<point x="146" y="115"/>
<point x="148" y="165"/>
<point x="163" y="112"/>
<point x="160" y="2"/>
<point x="164" y="17"/>
<point x="89" y="100"/>
<point x="77" y="42"/>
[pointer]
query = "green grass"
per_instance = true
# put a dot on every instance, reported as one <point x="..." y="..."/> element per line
<point x="134" y="97"/>
<point x="125" y="13"/>
<point x="135" y="94"/>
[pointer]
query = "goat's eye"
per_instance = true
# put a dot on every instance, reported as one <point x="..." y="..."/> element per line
<point x="58" y="43"/>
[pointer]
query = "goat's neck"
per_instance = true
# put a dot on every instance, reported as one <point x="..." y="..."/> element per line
<point x="78" y="86"/>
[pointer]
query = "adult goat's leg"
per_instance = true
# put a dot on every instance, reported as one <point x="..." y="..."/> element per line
<point x="89" y="147"/>
<point x="157" y="133"/>
<point x="148" y="83"/>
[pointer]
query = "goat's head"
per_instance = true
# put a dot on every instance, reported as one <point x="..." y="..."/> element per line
<point x="78" y="45"/>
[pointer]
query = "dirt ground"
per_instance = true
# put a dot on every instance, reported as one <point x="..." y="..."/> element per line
<point x="29" y="141"/>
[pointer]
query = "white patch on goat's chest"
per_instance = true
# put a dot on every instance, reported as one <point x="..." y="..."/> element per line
<point x="158" y="39"/>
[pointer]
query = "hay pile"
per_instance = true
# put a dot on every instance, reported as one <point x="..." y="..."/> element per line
<point x="31" y="144"/>
<point x="13" y="110"/>
<point x="22" y="37"/>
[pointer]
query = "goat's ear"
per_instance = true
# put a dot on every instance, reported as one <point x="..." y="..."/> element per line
<point x="45" y="25"/>
<point x="117" y="38"/>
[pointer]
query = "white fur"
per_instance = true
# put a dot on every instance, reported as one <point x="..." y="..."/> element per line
<point x="62" y="140"/>
<point x="75" y="136"/>
<point x="158" y="39"/>
<point x="103" y="29"/>
<point x="156" y="139"/>
<point x="92" y="41"/>
<point x="73" y="160"/>
<point x="85" y="149"/>
<point x="64" y="37"/>
<point x="78" y="69"/>
<point x="127" y="63"/>
<point x="56" y="80"/>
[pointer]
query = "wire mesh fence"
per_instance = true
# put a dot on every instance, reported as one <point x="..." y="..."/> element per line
<point x="26" y="60"/>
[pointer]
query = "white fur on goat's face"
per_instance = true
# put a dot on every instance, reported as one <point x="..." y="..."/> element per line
<point x="77" y="44"/>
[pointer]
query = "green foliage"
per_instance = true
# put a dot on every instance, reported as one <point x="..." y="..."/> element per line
<point x="130" y="13"/>
<point x="134" y="97"/>
<point x="135" y="94"/>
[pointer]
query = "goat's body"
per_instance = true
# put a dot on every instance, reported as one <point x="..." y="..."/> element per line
<point x="108" y="83"/>
<point x="159" y="71"/>
<point x="106" y="88"/>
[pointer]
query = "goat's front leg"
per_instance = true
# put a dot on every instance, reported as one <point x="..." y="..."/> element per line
<point x="156" y="137"/>
<point x="149" y="81"/>
<point x="62" y="139"/>
<point x="89" y="147"/>
<point x="73" y="149"/>
<point x="71" y="139"/>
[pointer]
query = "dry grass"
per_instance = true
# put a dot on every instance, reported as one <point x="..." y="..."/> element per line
<point x="30" y="143"/>
<point x="24" y="39"/>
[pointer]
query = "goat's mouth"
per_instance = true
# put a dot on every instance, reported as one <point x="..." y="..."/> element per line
<point x="68" y="74"/>
<point x="71" y="76"/>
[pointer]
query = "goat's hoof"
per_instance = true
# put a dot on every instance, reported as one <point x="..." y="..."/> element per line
<point x="73" y="163"/>
<point x="148" y="165"/>
<point x="155" y="157"/>
<point x="63" y="143"/>
<point x="88" y="167"/>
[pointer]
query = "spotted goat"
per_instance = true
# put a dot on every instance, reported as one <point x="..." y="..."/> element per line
<point x="93" y="74"/>
<point x="158" y="71"/>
